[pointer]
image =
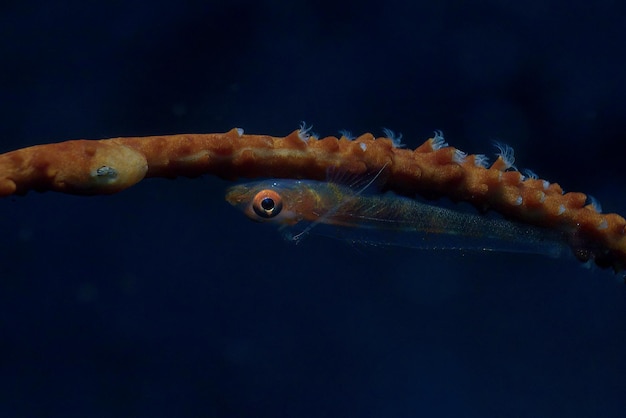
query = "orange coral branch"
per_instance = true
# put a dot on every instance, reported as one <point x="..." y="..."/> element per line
<point x="108" y="166"/>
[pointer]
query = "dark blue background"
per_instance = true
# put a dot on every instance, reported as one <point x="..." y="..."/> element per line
<point x="164" y="301"/>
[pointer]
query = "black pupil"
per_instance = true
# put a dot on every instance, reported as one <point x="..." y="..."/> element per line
<point x="267" y="204"/>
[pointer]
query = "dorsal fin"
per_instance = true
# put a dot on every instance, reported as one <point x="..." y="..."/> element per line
<point x="356" y="185"/>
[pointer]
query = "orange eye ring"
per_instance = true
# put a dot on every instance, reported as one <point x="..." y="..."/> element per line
<point x="267" y="203"/>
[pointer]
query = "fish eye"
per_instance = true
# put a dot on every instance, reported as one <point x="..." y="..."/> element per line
<point x="267" y="204"/>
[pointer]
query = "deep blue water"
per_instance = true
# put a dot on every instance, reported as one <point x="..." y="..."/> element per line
<point x="164" y="301"/>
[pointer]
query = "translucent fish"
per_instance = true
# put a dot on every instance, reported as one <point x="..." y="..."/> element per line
<point x="340" y="211"/>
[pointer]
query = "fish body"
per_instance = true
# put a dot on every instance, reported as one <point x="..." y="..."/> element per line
<point x="385" y="219"/>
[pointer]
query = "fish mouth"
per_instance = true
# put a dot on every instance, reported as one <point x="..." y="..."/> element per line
<point x="236" y="195"/>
